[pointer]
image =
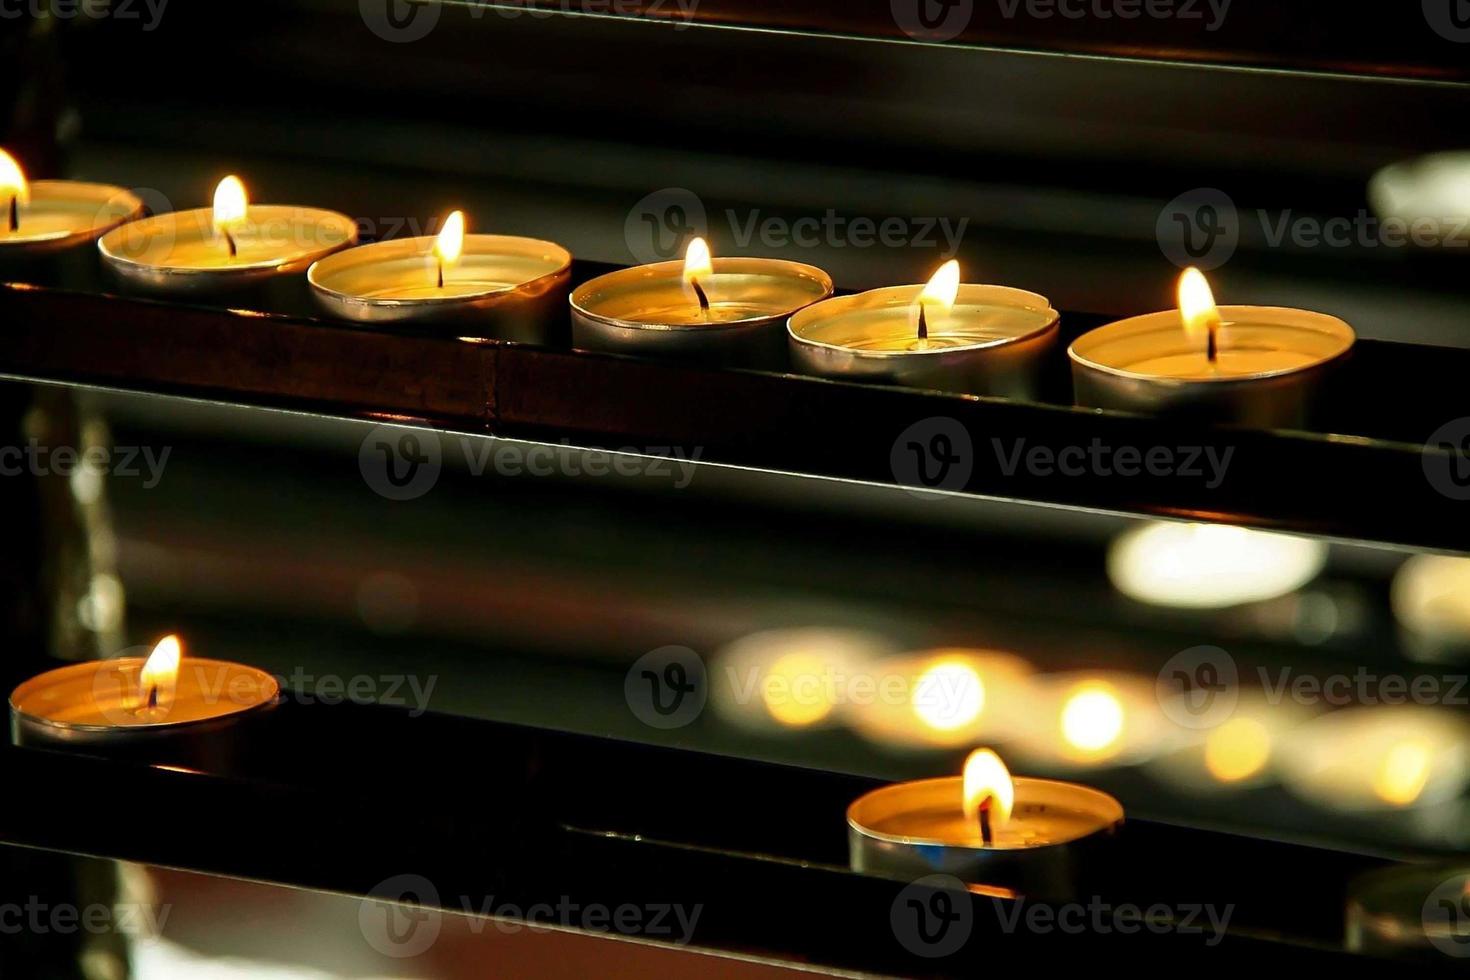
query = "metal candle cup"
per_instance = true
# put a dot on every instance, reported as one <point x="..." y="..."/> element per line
<point x="1056" y="832"/>
<point x="182" y="253"/>
<point x="96" y="708"/>
<point x="649" y="310"/>
<point x="509" y="287"/>
<point x="993" y="341"/>
<point x="1272" y="361"/>
<point x="63" y="214"/>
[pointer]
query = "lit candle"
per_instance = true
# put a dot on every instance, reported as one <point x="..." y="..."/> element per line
<point x="44" y="216"/>
<point x="164" y="708"/>
<point x="723" y="310"/>
<point x="984" y="340"/>
<point x="1257" y="365"/>
<point x="1033" y="836"/>
<point x="230" y="245"/>
<point x="504" y="286"/>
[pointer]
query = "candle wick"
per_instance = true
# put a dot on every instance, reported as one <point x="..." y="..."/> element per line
<point x="153" y="697"/>
<point x="439" y="264"/>
<point x="923" y="321"/>
<point x="15" y="212"/>
<point x="230" y="241"/>
<point x="700" y="295"/>
<point x="986" y="834"/>
<point x="1213" y="350"/>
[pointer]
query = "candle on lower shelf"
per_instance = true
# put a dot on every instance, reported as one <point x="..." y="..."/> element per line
<point x="1032" y="836"/>
<point x="1254" y="365"/>
<point x="500" y="286"/>
<point x="45" y="216"/>
<point x="983" y="340"/>
<point x="229" y="246"/>
<point x="729" y="311"/>
<point x="162" y="709"/>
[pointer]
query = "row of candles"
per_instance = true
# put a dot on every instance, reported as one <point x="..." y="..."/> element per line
<point x="1248" y="364"/>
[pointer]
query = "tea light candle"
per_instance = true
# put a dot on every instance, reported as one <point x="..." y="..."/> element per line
<point x="1033" y="836"/>
<point x="1255" y="365"/>
<point x="983" y="340"/>
<point x="229" y="246"/>
<point x="512" y="288"/>
<point x="159" y="709"/>
<point x="729" y="311"/>
<point x="45" y="216"/>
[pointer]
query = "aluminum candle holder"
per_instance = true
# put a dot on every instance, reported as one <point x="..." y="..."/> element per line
<point x="508" y="287"/>
<point x="992" y="342"/>
<point x="182" y="253"/>
<point x="1056" y="832"/>
<point x="96" y="708"/>
<point x="649" y="310"/>
<point x="1271" y="367"/>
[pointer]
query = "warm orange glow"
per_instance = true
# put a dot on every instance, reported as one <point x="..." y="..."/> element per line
<point x="161" y="673"/>
<point x="949" y="695"/>
<point x="795" y="692"/>
<point x="1404" y="773"/>
<point x="943" y="288"/>
<point x="450" y="244"/>
<point x="1092" y="719"/>
<point x="1197" y="303"/>
<point x="230" y="204"/>
<point x="988" y="784"/>
<point x="1237" y="750"/>
<point x="697" y="261"/>
<point x="13" y="180"/>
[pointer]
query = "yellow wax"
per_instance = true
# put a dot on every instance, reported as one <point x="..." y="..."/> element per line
<point x="1029" y="826"/>
<point x="1231" y="362"/>
<point x="108" y="694"/>
<point x="451" y="289"/>
<point x="48" y="223"/>
<point x="895" y="328"/>
<point x="690" y="314"/>
<point x="270" y="236"/>
<point x="66" y="212"/>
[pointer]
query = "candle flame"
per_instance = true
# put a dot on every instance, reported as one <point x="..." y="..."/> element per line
<point x="230" y="204"/>
<point x="942" y="288"/>
<point x="450" y="244"/>
<point x="161" y="672"/>
<point x="988" y="784"/>
<point x="697" y="261"/>
<point x="13" y="180"/>
<point x="1197" y="303"/>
